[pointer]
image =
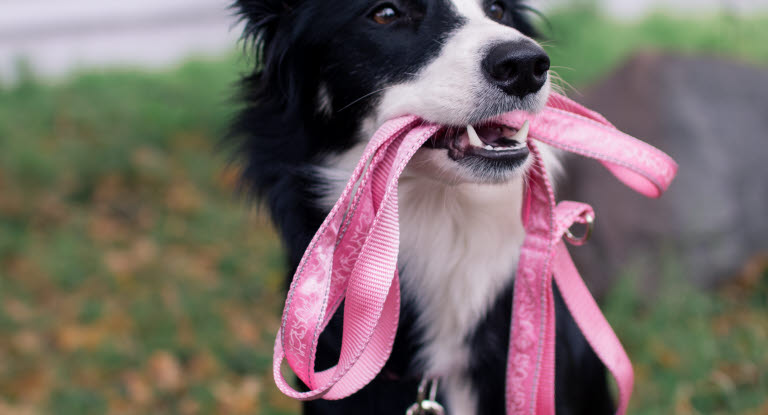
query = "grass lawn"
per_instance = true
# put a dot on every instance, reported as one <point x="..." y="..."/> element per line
<point x="133" y="281"/>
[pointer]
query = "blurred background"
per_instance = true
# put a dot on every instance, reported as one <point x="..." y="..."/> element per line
<point x="133" y="280"/>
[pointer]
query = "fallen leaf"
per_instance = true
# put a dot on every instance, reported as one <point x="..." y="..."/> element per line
<point x="31" y="386"/>
<point x="229" y="178"/>
<point x="165" y="371"/>
<point x="280" y="402"/>
<point x="8" y="409"/>
<point x="73" y="337"/>
<point x="138" y="388"/>
<point x="240" y="398"/>
<point x="128" y="261"/>
<point x="243" y="329"/>
<point x="667" y="356"/>
<point x="762" y="410"/>
<point x="18" y="310"/>
<point x="27" y="342"/>
<point x="683" y="405"/>
<point x="203" y="366"/>
<point x="189" y="406"/>
<point x="183" y="198"/>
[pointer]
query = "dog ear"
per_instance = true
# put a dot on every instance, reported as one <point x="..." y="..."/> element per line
<point x="268" y="133"/>
<point x="269" y="32"/>
<point x="262" y="19"/>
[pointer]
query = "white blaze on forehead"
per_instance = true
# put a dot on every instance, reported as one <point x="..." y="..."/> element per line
<point x="451" y="89"/>
<point x="469" y="8"/>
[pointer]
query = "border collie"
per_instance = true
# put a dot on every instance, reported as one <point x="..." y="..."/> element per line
<point x="328" y="73"/>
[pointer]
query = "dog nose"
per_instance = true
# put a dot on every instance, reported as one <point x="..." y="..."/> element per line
<point x="517" y="68"/>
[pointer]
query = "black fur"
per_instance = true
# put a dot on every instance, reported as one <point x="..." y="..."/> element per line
<point x="300" y="45"/>
<point x="581" y="386"/>
<point x="303" y="47"/>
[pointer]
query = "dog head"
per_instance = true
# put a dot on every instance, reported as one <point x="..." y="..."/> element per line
<point x="338" y="69"/>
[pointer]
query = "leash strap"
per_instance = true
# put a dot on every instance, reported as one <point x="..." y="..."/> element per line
<point x="531" y="363"/>
<point x="353" y="257"/>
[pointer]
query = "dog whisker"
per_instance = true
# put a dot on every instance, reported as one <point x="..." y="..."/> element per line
<point x="364" y="97"/>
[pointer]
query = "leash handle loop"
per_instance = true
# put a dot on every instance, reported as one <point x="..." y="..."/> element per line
<point x="353" y="257"/>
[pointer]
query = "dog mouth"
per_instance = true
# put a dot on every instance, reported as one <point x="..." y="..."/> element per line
<point x="490" y="141"/>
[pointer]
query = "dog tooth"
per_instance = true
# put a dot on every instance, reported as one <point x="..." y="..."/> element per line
<point x="474" y="139"/>
<point x="488" y="147"/>
<point x="522" y="135"/>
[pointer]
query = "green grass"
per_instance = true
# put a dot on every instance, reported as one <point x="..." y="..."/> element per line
<point x="132" y="281"/>
<point x="695" y="352"/>
<point x="584" y="45"/>
<point x="124" y="254"/>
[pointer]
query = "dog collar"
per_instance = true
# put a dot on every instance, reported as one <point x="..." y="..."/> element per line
<point x="353" y="257"/>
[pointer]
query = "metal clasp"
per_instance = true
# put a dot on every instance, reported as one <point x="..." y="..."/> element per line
<point x="425" y="399"/>
<point x="590" y="222"/>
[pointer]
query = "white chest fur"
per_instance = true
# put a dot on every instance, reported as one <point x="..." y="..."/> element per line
<point x="459" y="248"/>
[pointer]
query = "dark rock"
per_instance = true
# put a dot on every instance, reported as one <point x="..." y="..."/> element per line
<point x="711" y="116"/>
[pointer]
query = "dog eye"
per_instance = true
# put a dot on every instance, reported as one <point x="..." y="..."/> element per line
<point x="385" y="14"/>
<point x="496" y="11"/>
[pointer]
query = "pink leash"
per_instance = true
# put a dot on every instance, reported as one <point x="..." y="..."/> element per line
<point x="353" y="257"/>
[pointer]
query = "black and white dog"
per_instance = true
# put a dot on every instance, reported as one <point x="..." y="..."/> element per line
<point x="328" y="74"/>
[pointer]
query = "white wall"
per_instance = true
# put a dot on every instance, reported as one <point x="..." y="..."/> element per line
<point x="57" y="36"/>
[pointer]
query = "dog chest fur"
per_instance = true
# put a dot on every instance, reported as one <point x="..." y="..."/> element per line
<point x="459" y="248"/>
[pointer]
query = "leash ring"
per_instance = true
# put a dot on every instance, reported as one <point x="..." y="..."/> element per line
<point x="579" y="241"/>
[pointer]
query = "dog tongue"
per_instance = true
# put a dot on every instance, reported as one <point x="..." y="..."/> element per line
<point x="495" y="136"/>
<point x="491" y="134"/>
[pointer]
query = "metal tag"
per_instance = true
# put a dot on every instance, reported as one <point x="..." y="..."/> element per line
<point x="426" y="404"/>
<point x="426" y="408"/>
